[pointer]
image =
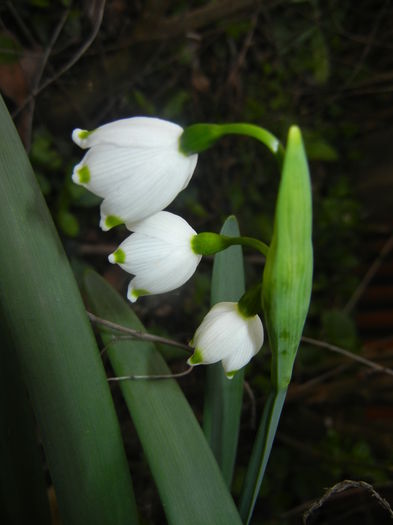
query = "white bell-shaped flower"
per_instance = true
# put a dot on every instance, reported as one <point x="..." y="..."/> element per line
<point x="227" y="335"/>
<point x="135" y="165"/>
<point x="159" y="253"/>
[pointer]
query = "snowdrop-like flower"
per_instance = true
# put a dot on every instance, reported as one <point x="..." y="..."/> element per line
<point x="135" y="164"/>
<point x="227" y="335"/>
<point x="159" y="253"/>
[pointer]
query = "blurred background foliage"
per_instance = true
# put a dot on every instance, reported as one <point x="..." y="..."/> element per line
<point x="326" y="66"/>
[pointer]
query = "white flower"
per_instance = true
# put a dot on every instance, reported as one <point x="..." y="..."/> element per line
<point x="226" y="335"/>
<point x="159" y="254"/>
<point x="136" y="166"/>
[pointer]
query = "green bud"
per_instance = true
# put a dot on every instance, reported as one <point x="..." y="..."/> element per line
<point x="199" y="137"/>
<point x="287" y="278"/>
<point x="208" y="243"/>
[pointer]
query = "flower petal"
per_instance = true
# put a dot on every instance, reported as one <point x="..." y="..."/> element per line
<point x="250" y="346"/>
<point x="159" y="254"/>
<point x="226" y="335"/>
<point x="135" y="131"/>
<point x="219" y="332"/>
<point x="138" y="189"/>
<point x="135" y="165"/>
<point x="165" y="226"/>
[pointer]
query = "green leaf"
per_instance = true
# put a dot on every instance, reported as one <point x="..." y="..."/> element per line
<point x="68" y="222"/>
<point x="189" y="482"/>
<point x="23" y="496"/>
<point x="43" y="312"/>
<point x="261" y="452"/>
<point x="318" y="148"/>
<point x="223" y="398"/>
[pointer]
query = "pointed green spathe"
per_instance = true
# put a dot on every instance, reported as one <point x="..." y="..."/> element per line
<point x="287" y="277"/>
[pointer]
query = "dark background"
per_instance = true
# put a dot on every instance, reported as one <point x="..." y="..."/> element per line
<point x="324" y="65"/>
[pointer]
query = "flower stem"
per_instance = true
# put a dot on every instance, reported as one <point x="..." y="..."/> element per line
<point x="250" y="242"/>
<point x="209" y="243"/>
<point x="258" y="133"/>
<point x="199" y="137"/>
<point x="137" y="334"/>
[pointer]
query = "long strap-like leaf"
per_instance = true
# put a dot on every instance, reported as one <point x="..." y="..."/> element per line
<point x="223" y="397"/>
<point x="23" y="495"/>
<point x="42" y="311"/>
<point x="261" y="452"/>
<point x="188" y="479"/>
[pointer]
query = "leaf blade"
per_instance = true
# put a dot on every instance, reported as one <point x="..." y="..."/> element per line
<point x="223" y="398"/>
<point x="43" y="311"/>
<point x="185" y="472"/>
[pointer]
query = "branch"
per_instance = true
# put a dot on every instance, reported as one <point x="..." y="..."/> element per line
<point x="81" y="51"/>
<point x="347" y="353"/>
<point x="137" y="334"/>
<point x="145" y="336"/>
<point x="340" y="487"/>
<point x="156" y="376"/>
<point x="189" y="21"/>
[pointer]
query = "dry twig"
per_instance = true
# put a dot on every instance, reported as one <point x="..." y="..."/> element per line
<point x="340" y="487"/>
<point x="99" y="13"/>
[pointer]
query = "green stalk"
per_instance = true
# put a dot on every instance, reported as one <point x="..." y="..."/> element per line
<point x="199" y="137"/>
<point x="261" y="453"/>
<point x="248" y="242"/>
<point x="223" y="398"/>
<point x="42" y="310"/>
<point x="209" y="243"/>
<point x="258" y="133"/>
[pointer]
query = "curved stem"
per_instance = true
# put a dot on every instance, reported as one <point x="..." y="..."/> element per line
<point x="199" y="137"/>
<point x="250" y="242"/>
<point x="258" y="133"/>
<point x="209" y="243"/>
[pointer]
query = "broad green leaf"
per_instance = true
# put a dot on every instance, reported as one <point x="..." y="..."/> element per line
<point x="43" y="313"/>
<point x="186" y="474"/>
<point x="223" y="397"/>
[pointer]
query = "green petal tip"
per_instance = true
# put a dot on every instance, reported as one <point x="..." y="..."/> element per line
<point x="84" y="175"/>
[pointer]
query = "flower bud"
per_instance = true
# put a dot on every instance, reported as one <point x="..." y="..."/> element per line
<point x="227" y="335"/>
<point x="287" y="278"/>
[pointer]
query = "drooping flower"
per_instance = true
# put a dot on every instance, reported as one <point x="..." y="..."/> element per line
<point x="159" y="253"/>
<point x="226" y="334"/>
<point x="135" y="165"/>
